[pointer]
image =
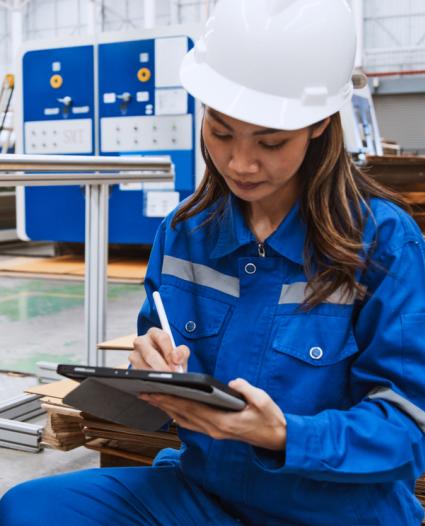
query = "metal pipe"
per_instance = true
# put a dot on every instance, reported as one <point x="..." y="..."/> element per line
<point x="395" y="73"/>
<point x="67" y="179"/>
<point x="52" y="163"/>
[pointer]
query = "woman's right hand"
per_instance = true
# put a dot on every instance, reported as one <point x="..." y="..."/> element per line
<point x="154" y="350"/>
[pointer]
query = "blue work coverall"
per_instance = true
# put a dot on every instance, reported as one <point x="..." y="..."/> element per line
<point x="349" y="376"/>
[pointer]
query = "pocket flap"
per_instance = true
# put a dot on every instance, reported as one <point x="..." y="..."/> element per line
<point x="315" y="339"/>
<point x="192" y="315"/>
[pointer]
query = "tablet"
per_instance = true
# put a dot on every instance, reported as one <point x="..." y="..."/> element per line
<point x="194" y="386"/>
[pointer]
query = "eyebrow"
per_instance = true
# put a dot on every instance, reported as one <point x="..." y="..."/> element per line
<point x="217" y="117"/>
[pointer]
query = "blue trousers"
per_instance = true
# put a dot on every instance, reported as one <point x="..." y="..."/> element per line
<point x="139" y="496"/>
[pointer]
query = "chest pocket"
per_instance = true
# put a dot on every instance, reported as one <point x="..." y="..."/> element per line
<point x="309" y="362"/>
<point x="198" y="322"/>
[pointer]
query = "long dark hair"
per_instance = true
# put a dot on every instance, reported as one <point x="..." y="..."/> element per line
<point x="334" y="195"/>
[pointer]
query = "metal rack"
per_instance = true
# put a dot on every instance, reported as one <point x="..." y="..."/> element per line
<point x="96" y="173"/>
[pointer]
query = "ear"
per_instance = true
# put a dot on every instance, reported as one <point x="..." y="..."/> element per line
<point x="318" y="129"/>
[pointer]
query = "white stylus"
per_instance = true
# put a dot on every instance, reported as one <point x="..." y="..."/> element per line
<point x="164" y="322"/>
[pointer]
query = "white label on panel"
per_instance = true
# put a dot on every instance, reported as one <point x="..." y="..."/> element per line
<point x="142" y="96"/>
<point x="170" y="101"/>
<point x="169" y="53"/>
<point x="60" y="136"/>
<point x="109" y="98"/>
<point x="159" y="204"/>
<point x="131" y="186"/>
<point x="147" y="133"/>
<point x="51" y="111"/>
<point x="158" y="186"/>
<point x="144" y="57"/>
<point x="146" y="186"/>
<point x="80" y="109"/>
<point x="56" y="66"/>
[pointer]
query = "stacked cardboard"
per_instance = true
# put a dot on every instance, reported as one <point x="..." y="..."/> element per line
<point x="127" y="445"/>
<point x="68" y="428"/>
<point x="63" y="428"/>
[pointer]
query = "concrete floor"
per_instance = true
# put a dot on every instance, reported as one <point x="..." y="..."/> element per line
<point x="43" y="320"/>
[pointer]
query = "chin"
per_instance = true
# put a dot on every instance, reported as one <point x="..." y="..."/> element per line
<point x="250" y="197"/>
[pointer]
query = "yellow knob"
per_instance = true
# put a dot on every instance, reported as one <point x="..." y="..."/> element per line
<point x="144" y="74"/>
<point x="56" y="81"/>
<point x="10" y="78"/>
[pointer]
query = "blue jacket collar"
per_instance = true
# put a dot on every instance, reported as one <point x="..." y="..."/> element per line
<point x="288" y="239"/>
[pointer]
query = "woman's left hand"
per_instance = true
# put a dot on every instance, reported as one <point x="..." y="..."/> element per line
<point x="261" y="423"/>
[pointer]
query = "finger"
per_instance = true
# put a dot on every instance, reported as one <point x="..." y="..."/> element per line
<point x="180" y="356"/>
<point x="209" y="418"/>
<point x="186" y="421"/>
<point x="137" y="361"/>
<point x="198" y="417"/>
<point x="162" y="342"/>
<point x="155" y="360"/>
<point x="150" y="352"/>
<point x="143" y="356"/>
<point x="181" y="421"/>
<point x="253" y="395"/>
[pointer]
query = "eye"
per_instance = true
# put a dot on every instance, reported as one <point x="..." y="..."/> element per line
<point x="276" y="146"/>
<point x="221" y="136"/>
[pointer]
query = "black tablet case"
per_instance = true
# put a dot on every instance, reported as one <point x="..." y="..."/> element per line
<point x="105" y="398"/>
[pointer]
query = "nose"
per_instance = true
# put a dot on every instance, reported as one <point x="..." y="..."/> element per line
<point x="241" y="160"/>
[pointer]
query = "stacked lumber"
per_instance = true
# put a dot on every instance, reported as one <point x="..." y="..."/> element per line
<point x="405" y="174"/>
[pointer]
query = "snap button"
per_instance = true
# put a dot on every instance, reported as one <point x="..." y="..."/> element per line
<point x="250" y="268"/>
<point x="316" y="353"/>
<point x="190" y="326"/>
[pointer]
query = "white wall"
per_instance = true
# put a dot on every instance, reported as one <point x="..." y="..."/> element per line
<point x="394" y="35"/>
<point x="47" y="19"/>
<point x="5" y="48"/>
<point x="54" y="18"/>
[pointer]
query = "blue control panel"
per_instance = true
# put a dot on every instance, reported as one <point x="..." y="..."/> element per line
<point x="142" y="110"/>
<point x="58" y="111"/>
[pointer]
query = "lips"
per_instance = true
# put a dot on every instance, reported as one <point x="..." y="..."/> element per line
<point x="246" y="186"/>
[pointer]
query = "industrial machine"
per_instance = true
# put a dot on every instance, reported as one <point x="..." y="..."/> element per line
<point x="113" y="96"/>
<point x="361" y="130"/>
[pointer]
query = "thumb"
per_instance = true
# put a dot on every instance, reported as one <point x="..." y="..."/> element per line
<point x="180" y="355"/>
<point x="252" y="394"/>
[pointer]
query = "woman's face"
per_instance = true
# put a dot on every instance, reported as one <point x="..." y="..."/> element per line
<point x="258" y="164"/>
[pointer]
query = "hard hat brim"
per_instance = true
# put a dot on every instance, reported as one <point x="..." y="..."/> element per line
<point x="254" y="107"/>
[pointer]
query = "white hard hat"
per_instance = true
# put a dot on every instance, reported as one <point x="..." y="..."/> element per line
<point x="283" y="64"/>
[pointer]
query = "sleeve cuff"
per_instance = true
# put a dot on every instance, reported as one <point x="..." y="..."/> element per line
<point x="302" y="452"/>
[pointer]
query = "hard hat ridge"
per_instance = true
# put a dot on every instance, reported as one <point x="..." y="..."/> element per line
<point x="275" y="6"/>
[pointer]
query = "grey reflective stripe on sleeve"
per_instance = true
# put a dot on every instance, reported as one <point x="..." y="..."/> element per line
<point x="415" y="413"/>
<point x="296" y="293"/>
<point x="201" y="275"/>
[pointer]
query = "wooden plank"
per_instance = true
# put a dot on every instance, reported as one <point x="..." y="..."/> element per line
<point x="56" y="390"/>
<point x="124" y="343"/>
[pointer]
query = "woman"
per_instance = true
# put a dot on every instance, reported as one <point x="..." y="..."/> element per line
<point x="287" y="274"/>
